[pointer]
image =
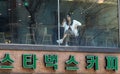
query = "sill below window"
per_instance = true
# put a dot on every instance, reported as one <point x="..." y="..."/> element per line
<point x="57" y="48"/>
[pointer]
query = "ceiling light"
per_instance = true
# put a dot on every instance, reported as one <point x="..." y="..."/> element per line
<point x="9" y="9"/>
<point x="29" y="16"/>
<point x="100" y="1"/>
<point x="19" y="4"/>
<point x="19" y="20"/>
<point x="68" y="0"/>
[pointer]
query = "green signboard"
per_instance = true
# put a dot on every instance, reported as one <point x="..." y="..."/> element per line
<point x="29" y="61"/>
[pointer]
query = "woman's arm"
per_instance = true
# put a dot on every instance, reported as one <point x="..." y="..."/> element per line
<point x="77" y="23"/>
<point x="63" y="23"/>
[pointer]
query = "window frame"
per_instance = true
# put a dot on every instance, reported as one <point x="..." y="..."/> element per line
<point x="93" y="49"/>
<point x="119" y="22"/>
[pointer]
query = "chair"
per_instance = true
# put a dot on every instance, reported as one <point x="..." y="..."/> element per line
<point x="109" y="41"/>
<point x="2" y="37"/>
<point x="89" y="41"/>
<point x="28" y="38"/>
<point x="47" y="38"/>
<point x="74" y="40"/>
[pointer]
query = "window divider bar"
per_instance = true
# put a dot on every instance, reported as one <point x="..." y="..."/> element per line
<point x="119" y="22"/>
<point x="58" y="20"/>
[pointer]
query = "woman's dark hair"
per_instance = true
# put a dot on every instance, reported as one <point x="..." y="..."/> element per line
<point x="67" y="20"/>
<point x="69" y="14"/>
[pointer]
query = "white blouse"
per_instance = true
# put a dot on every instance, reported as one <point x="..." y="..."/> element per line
<point x="74" y="26"/>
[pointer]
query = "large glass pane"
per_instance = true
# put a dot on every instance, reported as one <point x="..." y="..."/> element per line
<point x="28" y="21"/>
<point x="89" y="23"/>
<point x="4" y="29"/>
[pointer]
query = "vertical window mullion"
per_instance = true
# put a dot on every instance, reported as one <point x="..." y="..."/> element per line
<point x="58" y="20"/>
<point x="119" y="22"/>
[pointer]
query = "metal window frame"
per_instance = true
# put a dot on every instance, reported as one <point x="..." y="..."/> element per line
<point x="58" y="48"/>
<point x="119" y="21"/>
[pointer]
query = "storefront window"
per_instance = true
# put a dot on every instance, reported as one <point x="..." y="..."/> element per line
<point x="98" y="19"/>
<point x="81" y="22"/>
<point x="29" y="21"/>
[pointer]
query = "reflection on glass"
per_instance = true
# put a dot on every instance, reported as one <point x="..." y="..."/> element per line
<point x="83" y="22"/>
<point x="28" y="21"/>
<point x="99" y="19"/>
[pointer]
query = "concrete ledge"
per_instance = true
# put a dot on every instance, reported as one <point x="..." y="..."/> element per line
<point x="58" y="48"/>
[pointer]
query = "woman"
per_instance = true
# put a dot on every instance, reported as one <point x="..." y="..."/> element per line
<point x="70" y="28"/>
